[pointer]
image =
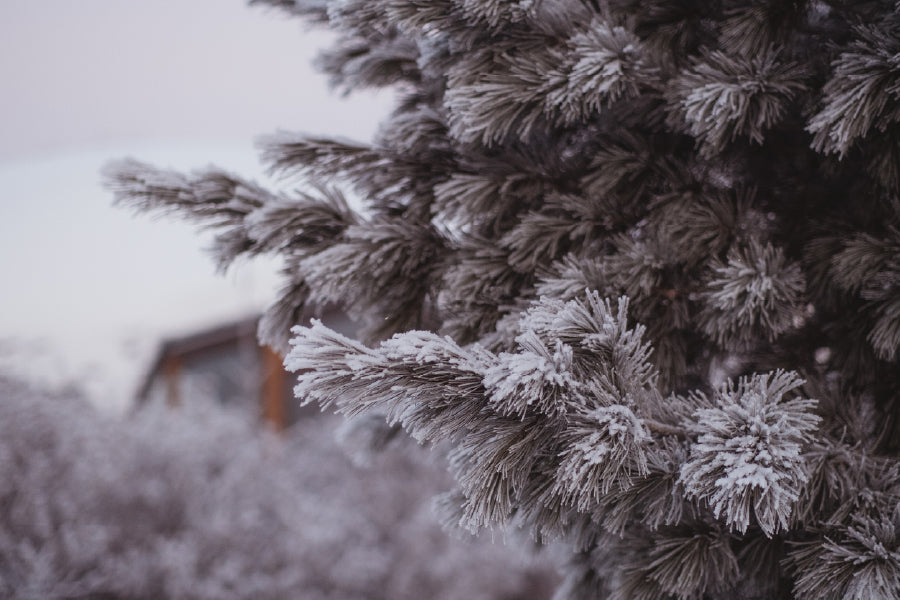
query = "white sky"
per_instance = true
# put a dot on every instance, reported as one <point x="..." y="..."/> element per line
<point x="88" y="291"/>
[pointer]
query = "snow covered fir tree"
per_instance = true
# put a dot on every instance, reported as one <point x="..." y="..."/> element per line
<point x="634" y="265"/>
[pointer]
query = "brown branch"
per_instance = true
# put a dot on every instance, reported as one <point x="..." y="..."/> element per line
<point x="666" y="429"/>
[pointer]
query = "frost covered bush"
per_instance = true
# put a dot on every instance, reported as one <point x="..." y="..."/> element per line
<point x="635" y="263"/>
<point x="203" y="505"/>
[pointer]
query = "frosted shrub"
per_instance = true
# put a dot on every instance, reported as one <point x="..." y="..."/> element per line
<point x="201" y="504"/>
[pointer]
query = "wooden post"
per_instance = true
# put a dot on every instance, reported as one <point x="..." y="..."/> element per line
<point x="172" y="370"/>
<point x="274" y="410"/>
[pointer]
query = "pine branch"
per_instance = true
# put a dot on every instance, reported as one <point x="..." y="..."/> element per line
<point x="517" y="89"/>
<point x="314" y="10"/>
<point x="664" y="429"/>
<point x="861" y="560"/>
<point x="251" y="219"/>
<point x="863" y="91"/>
<point x="723" y="97"/>
<point x="748" y="452"/>
<point x="359" y="63"/>
<point x="757" y="293"/>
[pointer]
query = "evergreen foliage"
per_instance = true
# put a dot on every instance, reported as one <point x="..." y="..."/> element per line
<point x="636" y="263"/>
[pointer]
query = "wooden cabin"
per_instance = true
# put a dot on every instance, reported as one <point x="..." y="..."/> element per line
<point x="226" y="364"/>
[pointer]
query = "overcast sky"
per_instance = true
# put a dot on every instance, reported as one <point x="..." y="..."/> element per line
<point x="88" y="290"/>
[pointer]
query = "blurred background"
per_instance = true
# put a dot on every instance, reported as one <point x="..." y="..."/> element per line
<point x="105" y="308"/>
<point x="90" y="291"/>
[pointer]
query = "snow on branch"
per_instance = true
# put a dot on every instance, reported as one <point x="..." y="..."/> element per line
<point x="859" y="561"/>
<point x="863" y="92"/>
<point x="423" y="16"/>
<point x="533" y="379"/>
<point x="472" y="291"/>
<point x="430" y="385"/>
<point x="494" y="465"/>
<point x="602" y="448"/>
<point x="358" y="63"/>
<point x="656" y="498"/>
<point x="868" y="266"/>
<point x="723" y="97"/>
<point x="748" y="453"/>
<point x="375" y="172"/>
<point x="698" y="228"/>
<point x="379" y="272"/>
<point x="511" y="92"/>
<point x="752" y="26"/>
<point x="511" y="415"/>
<point x="251" y="220"/>
<point x="756" y="293"/>
<point x="284" y="152"/>
<point x="205" y="194"/>
<point x="606" y="351"/>
<point x="495" y="12"/>
<point x="486" y="200"/>
<point x="606" y="64"/>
